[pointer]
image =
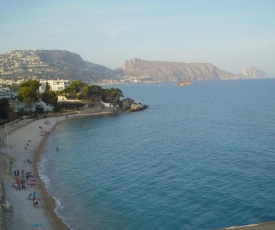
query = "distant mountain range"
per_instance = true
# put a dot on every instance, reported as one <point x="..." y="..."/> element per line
<point x="61" y="64"/>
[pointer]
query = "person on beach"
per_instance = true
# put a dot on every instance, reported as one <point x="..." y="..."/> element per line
<point x="15" y="173"/>
<point x="23" y="173"/>
<point x="34" y="196"/>
<point x="27" y="176"/>
<point x="30" y="196"/>
<point x="15" y="185"/>
<point x="23" y="184"/>
<point x="35" y="204"/>
<point x="17" y="182"/>
<point x="56" y="149"/>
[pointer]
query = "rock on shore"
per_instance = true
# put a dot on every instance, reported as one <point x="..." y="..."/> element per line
<point x="129" y="105"/>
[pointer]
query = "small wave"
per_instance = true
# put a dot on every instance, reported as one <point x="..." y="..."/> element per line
<point x="57" y="203"/>
<point x="59" y="206"/>
<point x="41" y="171"/>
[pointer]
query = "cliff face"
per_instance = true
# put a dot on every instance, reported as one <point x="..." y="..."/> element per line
<point x="252" y="72"/>
<point x="173" y="71"/>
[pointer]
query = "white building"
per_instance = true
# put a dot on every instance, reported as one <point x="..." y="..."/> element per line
<point x="17" y="105"/>
<point x="55" y="85"/>
<point x="5" y="92"/>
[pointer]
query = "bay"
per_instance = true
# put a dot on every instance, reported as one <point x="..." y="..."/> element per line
<point x="200" y="157"/>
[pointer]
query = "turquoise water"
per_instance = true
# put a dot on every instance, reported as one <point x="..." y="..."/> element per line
<point x="201" y="157"/>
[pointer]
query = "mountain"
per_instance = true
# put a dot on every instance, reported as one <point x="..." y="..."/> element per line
<point x="156" y="71"/>
<point x="252" y="72"/>
<point x="51" y="64"/>
<point x="61" y="64"/>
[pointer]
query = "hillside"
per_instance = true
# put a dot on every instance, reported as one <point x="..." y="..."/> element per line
<point x="173" y="71"/>
<point x="50" y="64"/>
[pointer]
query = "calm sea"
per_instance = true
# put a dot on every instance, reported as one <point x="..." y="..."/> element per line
<point x="201" y="157"/>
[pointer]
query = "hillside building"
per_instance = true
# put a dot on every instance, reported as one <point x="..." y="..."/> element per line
<point x="55" y="85"/>
<point x="6" y="92"/>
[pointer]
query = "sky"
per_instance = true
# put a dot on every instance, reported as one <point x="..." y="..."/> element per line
<point x="229" y="34"/>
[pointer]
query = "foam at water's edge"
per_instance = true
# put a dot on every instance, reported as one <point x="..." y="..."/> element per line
<point x="47" y="181"/>
<point x="58" y="204"/>
<point x="41" y="171"/>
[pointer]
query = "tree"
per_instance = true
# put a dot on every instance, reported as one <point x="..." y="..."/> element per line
<point x="83" y="91"/>
<point x="47" y="88"/>
<point x="89" y="92"/>
<point x="112" y="95"/>
<point x="28" y="93"/>
<point x="96" y="91"/>
<point x="21" y="112"/>
<point x="12" y="115"/>
<point x="74" y="90"/>
<point x="39" y="109"/>
<point x="50" y="98"/>
<point x="4" y="106"/>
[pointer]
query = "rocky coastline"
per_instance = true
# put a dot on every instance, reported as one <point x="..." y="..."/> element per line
<point x="129" y="105"/>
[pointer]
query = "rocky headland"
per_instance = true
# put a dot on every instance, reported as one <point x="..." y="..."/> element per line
<point x="252" y="72"/>
<point x="161" y="71"/>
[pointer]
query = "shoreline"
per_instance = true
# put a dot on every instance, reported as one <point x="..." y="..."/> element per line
<point x="26" y="142"/>
<point x="24" y="215"/>
<point x="49" y="201"/>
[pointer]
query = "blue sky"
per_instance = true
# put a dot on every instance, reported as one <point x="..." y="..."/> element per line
<point x="226" y="33"/>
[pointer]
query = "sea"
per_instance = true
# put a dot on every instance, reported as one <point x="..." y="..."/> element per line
<point x="200" y="157"/>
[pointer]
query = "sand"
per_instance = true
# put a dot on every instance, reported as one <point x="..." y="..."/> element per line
<point x="26" y="142"/>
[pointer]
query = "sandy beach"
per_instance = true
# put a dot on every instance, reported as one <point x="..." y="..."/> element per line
<point x="26" y="143"/>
